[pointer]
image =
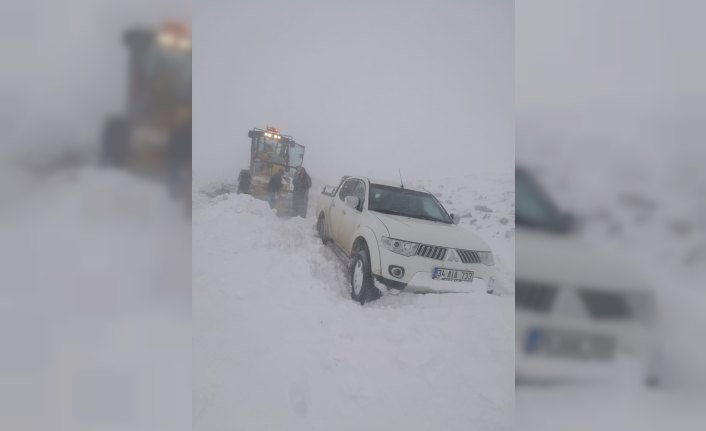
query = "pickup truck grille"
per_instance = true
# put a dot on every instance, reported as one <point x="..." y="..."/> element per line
<point x="534" y="296"/>
<point x="432" y="252"/>
<point x="605" y="305"/>
<point x="468" y="256"/>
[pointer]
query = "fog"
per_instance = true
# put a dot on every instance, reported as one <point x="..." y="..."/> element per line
<point x="367" y="87"/>
<point x="611" y="106"/>
<point x="646" y="52"/>
<point x="95" y="285"/>
<point x="64" y="71"/>
<point x="65" y="68"/>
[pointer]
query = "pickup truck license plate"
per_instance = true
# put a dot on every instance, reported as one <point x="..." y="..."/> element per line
<point x="569" y="344"/>
<point x="452" y="275"/>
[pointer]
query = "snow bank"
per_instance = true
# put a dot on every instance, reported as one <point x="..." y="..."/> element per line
<point x="279" y="344"/>
<point x="95" y="296"/>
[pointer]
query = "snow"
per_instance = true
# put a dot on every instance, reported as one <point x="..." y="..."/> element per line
<point x="279" y="344"/>
<point x="95" y="264"/>
<point x="608" y="408"/>
<point x="95" y="322"/>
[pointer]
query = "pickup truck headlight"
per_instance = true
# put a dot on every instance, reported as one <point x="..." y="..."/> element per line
<point x="398" y="246"/>
<point x="486" y="258"/>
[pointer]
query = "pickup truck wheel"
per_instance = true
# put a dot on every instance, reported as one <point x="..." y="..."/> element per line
<point x="362" y="286"/>
<point x="321" y="229"/>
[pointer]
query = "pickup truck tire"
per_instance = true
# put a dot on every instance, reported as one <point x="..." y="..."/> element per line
<point x="362" y="286"/>
<point x="321" y="229"/>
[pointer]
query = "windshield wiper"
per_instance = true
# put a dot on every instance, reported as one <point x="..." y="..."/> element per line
<point x="423" y="217"/>
<point x="386" y="211"/>
<point x="419" y="216"/>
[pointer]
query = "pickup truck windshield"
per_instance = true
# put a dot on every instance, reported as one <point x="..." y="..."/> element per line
<point x="407" y="203"/>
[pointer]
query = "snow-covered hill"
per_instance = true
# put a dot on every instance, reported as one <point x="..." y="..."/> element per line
<point x="279" y="344"/>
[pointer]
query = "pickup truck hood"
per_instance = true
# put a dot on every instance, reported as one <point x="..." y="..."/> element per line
<point x="431" y="233"/>
<point x="566" y="260"/>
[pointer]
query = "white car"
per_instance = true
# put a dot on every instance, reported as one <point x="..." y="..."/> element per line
<point x="396" y="237"/>
<point x="580" y="314"/>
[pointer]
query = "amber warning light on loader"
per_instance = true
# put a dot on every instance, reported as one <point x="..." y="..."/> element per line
<point x="175" y="35"/>
<point x="272" y="132"/>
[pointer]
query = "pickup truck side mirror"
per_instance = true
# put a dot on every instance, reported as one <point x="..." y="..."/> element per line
<point x="352" y="202"/>
<point x="456" y="219"/>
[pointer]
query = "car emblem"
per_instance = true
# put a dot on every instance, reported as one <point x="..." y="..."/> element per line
<point x="452" y="257"/>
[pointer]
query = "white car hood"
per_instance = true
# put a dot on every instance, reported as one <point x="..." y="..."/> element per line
<point x="565" y="260"/>
<point x="431" y="233"/>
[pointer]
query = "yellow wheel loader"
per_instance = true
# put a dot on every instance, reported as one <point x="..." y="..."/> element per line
<point x="272" y="152"/>
<point x="153" y="136"/>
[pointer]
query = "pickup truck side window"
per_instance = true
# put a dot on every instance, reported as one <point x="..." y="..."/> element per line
<point x="347" y="189"/>
<point x="360" y="193"/>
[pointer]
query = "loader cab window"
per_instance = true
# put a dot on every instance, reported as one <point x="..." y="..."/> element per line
<point x="267" y="149"/>
<point x="170" y="72"/>
<point x="278" y="152"/>
<point x="296" y="155"/>
<point x="266" y="145"/>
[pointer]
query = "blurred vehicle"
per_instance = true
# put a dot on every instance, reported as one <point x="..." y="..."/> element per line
<point x="396" y="237"/>
<point x="580" y="313"/>
<point x="272" y="152"/>
<point x="153" y="136"/>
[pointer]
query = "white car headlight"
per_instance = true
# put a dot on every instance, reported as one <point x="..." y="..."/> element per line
<point x="398" y="246"/>
<point x="486" y="258"/>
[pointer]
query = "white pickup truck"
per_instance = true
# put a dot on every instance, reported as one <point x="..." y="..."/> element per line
<point x="396" y="237"/>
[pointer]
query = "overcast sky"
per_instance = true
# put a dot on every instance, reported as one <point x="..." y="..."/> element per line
<point x="613" y="86"/>
<point x="582" y="52"/>
<point x="368" y="87"/>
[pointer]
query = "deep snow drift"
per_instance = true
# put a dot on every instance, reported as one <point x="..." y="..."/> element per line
<point x="278" y="343"/>
<point x="95" y="296"/>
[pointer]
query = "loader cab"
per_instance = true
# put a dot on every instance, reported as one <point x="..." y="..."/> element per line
<point x="158" y="101"/>
<point x="160" y="69"/>
<point x="271" y="152"/>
